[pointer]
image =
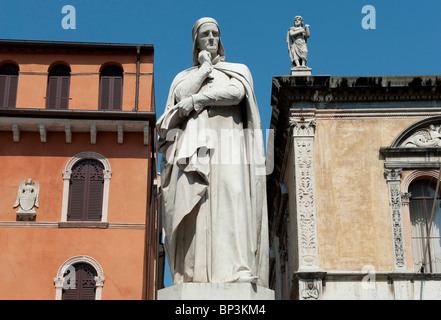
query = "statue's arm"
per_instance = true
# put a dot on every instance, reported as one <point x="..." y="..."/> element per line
<point x="297" y="32"/>
<point x="192" y="84"/>
<point x="228" y="95"/>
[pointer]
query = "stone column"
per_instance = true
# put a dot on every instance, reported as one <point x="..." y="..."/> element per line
<point x="393" y="179"/>
<point x="306" y="220"/>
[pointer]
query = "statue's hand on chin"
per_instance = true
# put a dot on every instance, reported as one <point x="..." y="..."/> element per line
<point x="204" y="59"/>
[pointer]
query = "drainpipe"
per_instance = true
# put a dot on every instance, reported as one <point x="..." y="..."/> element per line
<point x="138" y="52"/>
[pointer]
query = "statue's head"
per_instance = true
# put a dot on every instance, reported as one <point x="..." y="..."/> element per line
<point x="206" y="36"/>
<point x="298" y="21"/>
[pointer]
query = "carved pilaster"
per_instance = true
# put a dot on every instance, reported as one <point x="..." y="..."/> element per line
<point x="303" y="134"/>
<point x="393" y="178"/>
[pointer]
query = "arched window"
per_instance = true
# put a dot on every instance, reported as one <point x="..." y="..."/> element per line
<point x="79" y="278"/>
<point x="86" y="191"/>
<point x="111" y="88"/>
<point x="423" y="233"/>
<point x="86" y="188"/>
<point x="81" y="284"/>
<point x="8" y="85"/>
<point x="57" y="96"/>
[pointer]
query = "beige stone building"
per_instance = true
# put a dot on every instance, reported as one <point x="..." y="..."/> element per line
<point x="356" y="167"/>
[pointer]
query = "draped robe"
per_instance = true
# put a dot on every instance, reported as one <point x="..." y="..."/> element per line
<point x="215" y="212"/>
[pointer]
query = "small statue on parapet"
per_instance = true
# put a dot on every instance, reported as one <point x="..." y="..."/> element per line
<point x="297" y="47"/>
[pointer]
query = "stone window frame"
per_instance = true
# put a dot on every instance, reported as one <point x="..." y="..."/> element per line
<point x="402" y="166"/>
<point x="67" y="172"/>
<point x="408" y="178"/>
<point x="99" y="279"/>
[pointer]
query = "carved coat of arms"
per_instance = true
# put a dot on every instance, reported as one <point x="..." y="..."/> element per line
<point x="27" y="199"/>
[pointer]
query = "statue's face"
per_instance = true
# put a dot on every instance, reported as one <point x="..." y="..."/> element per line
<point x="298" y="22"/>
<point x="208" y="37"/>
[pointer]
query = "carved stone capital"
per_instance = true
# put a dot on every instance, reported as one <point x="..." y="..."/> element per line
<point x="392" y="174"/>
<point x="58" y="282"/>
<point x="99" y="281"/>
<point x="405" y="198"/>
<point x="107" y="174"/>
<point x="66" y="174"/>
<point x="302" y="127"/>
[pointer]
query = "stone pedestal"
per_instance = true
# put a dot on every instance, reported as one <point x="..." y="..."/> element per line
<point x="301" y="71"/>
<point x="215" y="291"/>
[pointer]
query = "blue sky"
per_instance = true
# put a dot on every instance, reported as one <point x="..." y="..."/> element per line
<point x="406" y="41"/>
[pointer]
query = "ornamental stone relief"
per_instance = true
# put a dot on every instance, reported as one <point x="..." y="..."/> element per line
<point x="393" y="178"/>
<point x="303" y="132"/>
<point x="27" y="199"/>
<point x="429" y="137"/>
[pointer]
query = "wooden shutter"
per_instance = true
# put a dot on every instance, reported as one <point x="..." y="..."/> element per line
<point x="8" y="91"/>
<point x="64" y="92"/>
<point x="117" y="93"/>
<point x="3" y="90"/>
<point x="86" y="191"/>
<point x="76" y="200"/>
<point x="85" y="284"/>
<point x="8" y="85"/>
<point x="105" y="93"/>
<point x="52" y="91"/>
<point x="95" y="192"/>
<point x="12" y="94"/>
<point x="111" y="88"/>
<point x="58" y="87"/>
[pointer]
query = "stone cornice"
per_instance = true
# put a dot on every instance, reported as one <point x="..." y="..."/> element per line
<point x="68" y="126"/>
<point x="327" y="89"/>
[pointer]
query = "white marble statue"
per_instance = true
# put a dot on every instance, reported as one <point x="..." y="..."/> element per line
<point x="297" y="43"/>
<point x="212" y="173"/>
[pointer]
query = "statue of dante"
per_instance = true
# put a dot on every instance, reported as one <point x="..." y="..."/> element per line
<point x="216" y="224"/>
<point x="297" y="43"/>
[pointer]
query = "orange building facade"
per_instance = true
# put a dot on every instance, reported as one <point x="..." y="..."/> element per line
<point x="78" y="216"/>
